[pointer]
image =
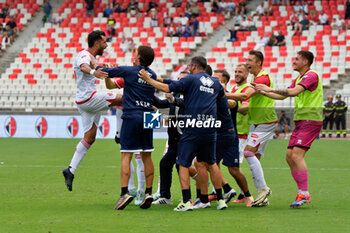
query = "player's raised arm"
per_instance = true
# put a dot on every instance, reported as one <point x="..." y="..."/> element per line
<point x="158" y="85"/>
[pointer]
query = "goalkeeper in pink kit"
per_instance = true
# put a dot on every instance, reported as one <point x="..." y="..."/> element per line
<point x="308" y="92"/>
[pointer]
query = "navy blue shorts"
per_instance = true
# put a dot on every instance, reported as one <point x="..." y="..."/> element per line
<point x="193" y="145"/>
<point x="227" y="149"/>
<point x="133" y="137"/>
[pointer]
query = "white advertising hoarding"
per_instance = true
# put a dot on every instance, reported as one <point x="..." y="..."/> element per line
<point x="53" y="126"/>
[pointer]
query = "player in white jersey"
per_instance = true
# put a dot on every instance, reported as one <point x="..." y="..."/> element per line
<point x="89" y="102"/>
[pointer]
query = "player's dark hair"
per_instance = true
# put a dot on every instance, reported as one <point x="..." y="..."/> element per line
<point x="146" y="55"/>
<point x="309" y="56"/>
<point x="259" y="56"/>
<point x="224" y="73"/>
<point x="209" y="70"/>
<point x="185" y="72"/>
<point x="95" y="36"/>
<point x="199" y="61"/>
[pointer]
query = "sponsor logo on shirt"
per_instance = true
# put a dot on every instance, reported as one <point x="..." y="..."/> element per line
<point x="207" y="83"/>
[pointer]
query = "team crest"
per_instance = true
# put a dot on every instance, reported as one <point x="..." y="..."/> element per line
<point x="72" y="127"/>
<point x="10" y="126"/>
<point x="41" y="127"/>
<point x="103" y="128"/>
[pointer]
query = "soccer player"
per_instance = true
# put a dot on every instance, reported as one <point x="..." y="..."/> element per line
<point x="139" y="193"/>
<point x="89" y="102"/>
<point x="169" y="159"/>
<point x="241" y="75"/>
<point x="227" y="146"/>
<point x="340" y="115"/>
<point x="137" y="98"/>
<point x="308" y="92"/>
<point x="328" y="112"/>
<point x="200" y="95"/>
<point x="263" y="121"/>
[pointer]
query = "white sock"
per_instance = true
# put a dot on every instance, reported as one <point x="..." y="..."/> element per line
<point x="131" y="184"/>
<point x="257" y="172"/>
<point x="119" y="121"/>
<point x="158" y="189"/>
<point x="140" y="171"/>
<point x="306" y="193"/>
<point x="214" y="191"/>
<point x="79" y="154"/>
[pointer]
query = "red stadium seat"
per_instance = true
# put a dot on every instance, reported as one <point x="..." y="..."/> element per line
<point x="52" y="76"/>
<point x="31" y="81"/>
<point x="326" y="75"/>
<point x="287" y="76"/>
<point x="28" y="76"/>
<point x="12" y="76"/>
<point x="37" y="66"/>
<point x="68" y="66"/>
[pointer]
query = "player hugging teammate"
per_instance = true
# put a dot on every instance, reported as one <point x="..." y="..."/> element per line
<point x="210" y="135"/>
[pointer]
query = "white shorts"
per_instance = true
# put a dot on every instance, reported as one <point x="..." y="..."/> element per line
<point x="91" y="110"/>
<point x="242" y="144"/>
<point x="259" y="136"/>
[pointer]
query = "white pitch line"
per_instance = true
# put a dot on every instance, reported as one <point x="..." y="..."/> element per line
<point x="113" y="167"/>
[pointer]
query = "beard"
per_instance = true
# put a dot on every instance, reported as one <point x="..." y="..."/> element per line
<point x="100" y="52"/>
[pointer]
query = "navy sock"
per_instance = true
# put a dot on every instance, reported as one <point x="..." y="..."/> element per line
<point x="204" y="198"/>
<point x="247" y="194"/>
<point x="149" y="191"/>
<point x="198" y="193"/>
<point x="227" y="188"/>
<point x="124" y="190"/>
<point x="218" y="194"/>
<point x="186" y="195"/>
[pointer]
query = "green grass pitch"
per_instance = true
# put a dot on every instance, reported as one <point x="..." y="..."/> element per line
<point x="33" y="197"/>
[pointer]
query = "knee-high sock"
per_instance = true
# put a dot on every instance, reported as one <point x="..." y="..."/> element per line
<point x="119" y="121"/>
<point x="140" y="171"/>
<point x="79" y="154"/>
<point x="131" y="184"/>
<point x="301" y="178"/>
<point x="256" y="169"/>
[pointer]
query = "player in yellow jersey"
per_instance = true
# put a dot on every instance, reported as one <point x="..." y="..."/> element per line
<point x="308" y="92"/>
<point x="263" y="120"/>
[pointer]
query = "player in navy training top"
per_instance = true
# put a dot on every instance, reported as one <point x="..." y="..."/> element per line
<point x="227" y="147"/>
<point x="137" y="98"/>
<point x="199" y="137"/>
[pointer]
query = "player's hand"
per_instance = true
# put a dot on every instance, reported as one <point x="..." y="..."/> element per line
<point x="143" y="74"/>
<point x="106" y="65"/>
<point x="159" y="79"/>
<point x="261" y="87"/>
<point x="170" y="97"/>
<point x="100" y="74"/>
<point x="93" y="63"/>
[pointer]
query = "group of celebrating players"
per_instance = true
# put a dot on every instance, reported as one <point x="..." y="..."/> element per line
<point x="217" y="124"/>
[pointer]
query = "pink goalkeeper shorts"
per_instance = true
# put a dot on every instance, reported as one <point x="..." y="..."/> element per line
<point x="305" y="133"/>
